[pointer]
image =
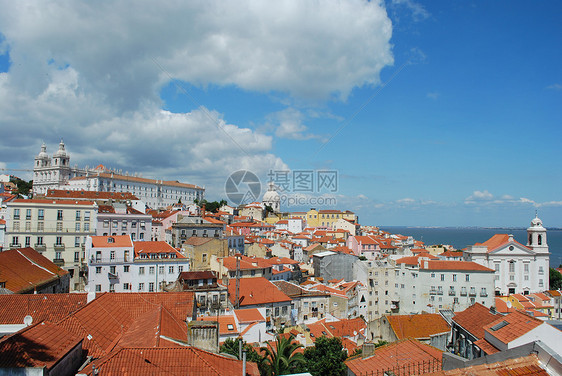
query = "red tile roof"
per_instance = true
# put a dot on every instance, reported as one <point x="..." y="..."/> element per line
<point x="455" y="265"/>
<point x="169" y="361"/>
<point x="417" y="326"/>
<point x="518" y="323"/>
<point x="156" y="247"/>
<point x="405" y="357"/>
<point x="92" y="195"/>
<point x="486" y="346"/>
<point x="497" y="241"/>
<point x="116" y="241"/>
<point x="227" y="324"/>
<point x="248" y="315"/>
<point x="39" y="345"/>
<point x="523" y="366"/>
<point x="41" y="307"/>
<point x="53" y="201"/>
<point x="24" y="269"/>
<point x="107" y="318"/>
<point x="256" y="291"/>
<point x="474" y="318"/>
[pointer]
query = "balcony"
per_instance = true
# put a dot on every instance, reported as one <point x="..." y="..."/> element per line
<point x="483" y="294"/>
<point x="15" y="245"/>
<point x="40" y="247"/>
<point x="452" y="293"/>
<point x="439" y="292"/>
<point x="58" y="262"/>
<point x="472" y="293"/>
<point x="59" y="247"/>
<point x="111" y="275"/>
<point x="432" y="292"/>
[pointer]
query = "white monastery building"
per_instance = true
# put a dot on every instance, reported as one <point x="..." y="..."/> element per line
<point x="519" y="269"/>
<point x="56" y="173"/>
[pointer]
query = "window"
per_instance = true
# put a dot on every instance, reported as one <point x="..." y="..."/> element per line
<point x="512" y="266"/>
<point x="58" y="255"/>
<point x="86" y="215"/>
<point x="541" y="270"/>
<point x="126" y="286"/>
<point x="151" y="287"/>
<point x="77" y="215"/>
<point x="141" y="286"/>
<point x="541" y="283"/>
<point x="16" y="214"/>
<point x="141" y="236"/>
<point x="483" y="292"/>
<point x="112" y="269"/>
<point x="40" y="226"/>
<point x="134" y="224"/>
<point x="141" y="270"/>
<point x="28" y="214"/>
<point x="16" y="226"/>
<point x="161" y="269"/>
<point x="77" y="227"/>
<point x="442" y="277"/>
<point x="126" y="269"/>
<point x="123" y="225"/>
<point x="86" y="227"/>
<point x="204" y="257"/>
<point x="151" y="270"/>
<point x="58" y="240"/>
<point x="133" y="236"/>
<point x="39" y="240"/>
<point x="28" y="241"/>
<point x="112" y="255"/>
<point x="180" y="268"/>
<point x="454" y="277"/>
<point x="432" y="275"/>
<point x="170" y="270"/>
<point x="526" y="267"/>
<point x="59" y="226"/>
<point x="106" y="223"/>
<point x="98" y="288"/>
<point x="114" y="223"/>
<point x="497" y="267"/>
<point x="76" y="256"/>
<point x="41" y="214"/>
<point x="59" y="215"/>
<point x="98" y="269"/>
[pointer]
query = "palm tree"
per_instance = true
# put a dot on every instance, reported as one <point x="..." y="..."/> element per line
<point x="283" y="359"/>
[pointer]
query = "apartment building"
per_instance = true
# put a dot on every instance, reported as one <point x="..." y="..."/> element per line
<point x="57" y="229"/>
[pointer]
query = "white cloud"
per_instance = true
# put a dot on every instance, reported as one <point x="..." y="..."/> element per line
<point x="432" y="95"/>
<point x="418" y="11"/>
<point x="288" y="124"/>
<point x="406" y="201"/>
<point x="479" y="196"/>
<point x="93" y="74"/>
<point x="554" y="87"/>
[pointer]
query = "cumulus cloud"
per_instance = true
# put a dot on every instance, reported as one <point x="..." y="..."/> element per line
<point x="485" y="198"/>
<point x="479" y="196"/>
<point x="417" y="10"/>
<point x="554" y="87"/>
<point x="288" y="124"/>
<point x="93" y="74"/>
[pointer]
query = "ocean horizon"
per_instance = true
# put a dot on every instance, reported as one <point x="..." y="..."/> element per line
<point x="461" y="237"/>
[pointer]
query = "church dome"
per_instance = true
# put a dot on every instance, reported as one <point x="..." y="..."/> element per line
<point x="43" y="153"/>
<point x="271" y="195"/>
<point x="536" y="222"/>
<point x="61" y="152"/>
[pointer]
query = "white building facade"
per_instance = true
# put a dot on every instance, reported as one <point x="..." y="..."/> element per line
<point x="519" y="269"/>
<point x="117" y="264"/>
<point x="56" y="173"/>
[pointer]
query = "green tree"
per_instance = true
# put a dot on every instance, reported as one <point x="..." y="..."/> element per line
<point x="23" y="187"/>
<point x="283" y="358"/>
<point x="555" y="279"/>
<point x="326" y="357"/>
<point x="231" y="346"/>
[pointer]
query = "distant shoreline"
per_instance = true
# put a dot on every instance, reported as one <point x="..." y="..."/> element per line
<point x="470" y="227"/>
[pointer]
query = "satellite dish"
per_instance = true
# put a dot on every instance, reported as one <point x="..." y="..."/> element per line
<point x="28" y="320"/>
<point x="508" y="303"/>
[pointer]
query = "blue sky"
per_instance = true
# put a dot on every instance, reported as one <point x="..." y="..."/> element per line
<point x="433" y="113"/>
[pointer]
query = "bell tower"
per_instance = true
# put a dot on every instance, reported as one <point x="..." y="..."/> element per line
<point x="536" y="236"/>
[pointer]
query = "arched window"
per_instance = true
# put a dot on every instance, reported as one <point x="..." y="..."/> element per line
<point x="540" y="239"/>
<point x="530" y="239"/>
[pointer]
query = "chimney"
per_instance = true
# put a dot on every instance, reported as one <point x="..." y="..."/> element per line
<point x="368" y="350"/>
<point x="510" y="238"/>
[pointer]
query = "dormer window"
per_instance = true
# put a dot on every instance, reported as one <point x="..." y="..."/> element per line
<point x="111" y="240"/>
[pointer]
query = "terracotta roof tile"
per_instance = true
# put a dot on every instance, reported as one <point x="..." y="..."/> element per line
<point x="248" y="315"/>
<point x="39" y="345"/>
<point x="116" y="241"/>
<point x="497" y="241"/>
<point x="455" y="265"/>
<point x="417" y="326"/>
<point x="523" y="366"/>
<point x="256" y="291"/>
<point x="474" y="318"/>
<point x="24" y="269"/>
<point x="518" y="323"/>
<point x="169" y="361"/>
<point x="41" y="307"/>
<point x="227" y="324"/>
<point x="92" y="195"/>
<point x="148" y="247"/>
<point x="405" y="357"/>
<point x="486" y="346"/>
